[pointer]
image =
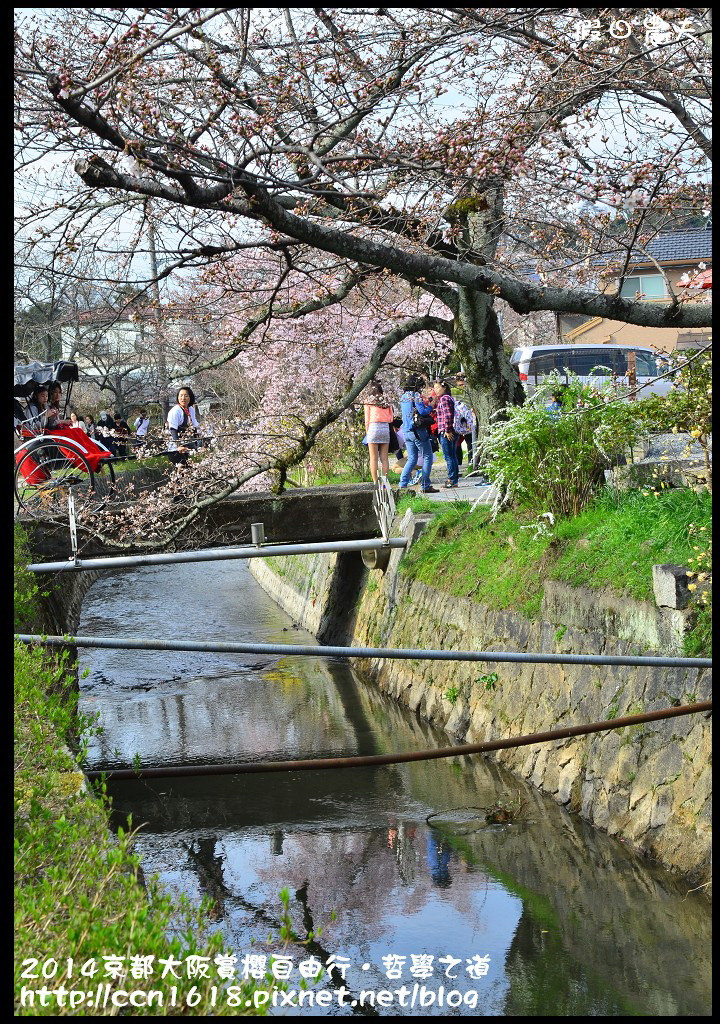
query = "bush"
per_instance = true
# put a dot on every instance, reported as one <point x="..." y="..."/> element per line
<point x="25" y="584"/>
<point x="687" y="408"/>
<point x="555" y="462"/>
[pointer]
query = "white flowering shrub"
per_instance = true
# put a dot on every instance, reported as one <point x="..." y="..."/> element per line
<point x="544" y="459"/>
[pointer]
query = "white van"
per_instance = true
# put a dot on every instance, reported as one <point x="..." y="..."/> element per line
<point x="591" y="363"/>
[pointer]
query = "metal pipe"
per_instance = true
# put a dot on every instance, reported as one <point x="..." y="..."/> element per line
<point x="218" y="554"/>
<point x="361" y="761"/>
<point x="391" y="653"/>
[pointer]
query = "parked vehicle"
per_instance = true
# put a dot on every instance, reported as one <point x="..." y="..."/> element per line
<point x="593" y="364"/>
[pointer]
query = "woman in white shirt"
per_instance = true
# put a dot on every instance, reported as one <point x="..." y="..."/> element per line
<point x="181" y="420"/>
<point x="77" y="421"/>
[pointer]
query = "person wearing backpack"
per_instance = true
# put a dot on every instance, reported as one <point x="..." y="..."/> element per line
<point x="445" y="410"/>
<point x="463" y="426"/>
<point x="416" y="419"/>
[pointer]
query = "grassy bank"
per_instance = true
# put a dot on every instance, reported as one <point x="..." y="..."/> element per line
<point x="612" y="543"/>
<point x="77" y="888"/>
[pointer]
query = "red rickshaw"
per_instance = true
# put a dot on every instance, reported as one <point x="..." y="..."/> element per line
<point x="53" y="461"/>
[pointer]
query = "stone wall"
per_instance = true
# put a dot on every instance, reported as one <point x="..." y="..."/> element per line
<point x="649" y="785"/>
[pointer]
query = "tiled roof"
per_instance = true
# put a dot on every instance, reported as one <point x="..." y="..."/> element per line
<point x="695" y="244"/>
<point x="671" y="247"/>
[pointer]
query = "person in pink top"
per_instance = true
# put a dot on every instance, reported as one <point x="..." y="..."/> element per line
<point x="378" y="417"/>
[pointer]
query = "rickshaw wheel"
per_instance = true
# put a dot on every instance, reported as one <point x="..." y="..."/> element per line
<point x="47" y="498"/>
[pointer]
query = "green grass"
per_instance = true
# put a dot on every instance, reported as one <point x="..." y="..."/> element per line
<point x="130" y="466"/>
<point x="629" y="534"/>
<point x="348" y="477"/>
<point x="503" y="564"/>
<point x="698" y="642"/>
<point x="420" y="506"/>
<point x="467" y="555"/>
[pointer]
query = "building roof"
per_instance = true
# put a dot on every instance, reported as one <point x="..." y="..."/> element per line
<point x="695" y="244"/>
<point x="669" y="247"/>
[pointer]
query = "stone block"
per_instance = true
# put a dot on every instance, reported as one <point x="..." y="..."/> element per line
<point x="661" y="807"/>
<point x="670" y="585"/>
<point x="412" y="526"/>
<point x="568" y="774"/>
<point x="601" y="811"/>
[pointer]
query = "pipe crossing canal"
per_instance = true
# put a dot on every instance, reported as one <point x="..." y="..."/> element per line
<point x="567" y="920"/>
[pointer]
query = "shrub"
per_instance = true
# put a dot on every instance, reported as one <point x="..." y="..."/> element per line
<point x="544" y="461"/>
<point x="25" y="584"/>
<point x="687" y="408"/>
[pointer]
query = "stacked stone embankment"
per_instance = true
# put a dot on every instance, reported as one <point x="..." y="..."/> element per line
<point x="649" y="785"/>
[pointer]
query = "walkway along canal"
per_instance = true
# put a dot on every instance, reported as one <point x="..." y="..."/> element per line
<point x="572" y="922"/>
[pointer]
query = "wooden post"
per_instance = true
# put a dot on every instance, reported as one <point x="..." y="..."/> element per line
<point x="632" y="373"/>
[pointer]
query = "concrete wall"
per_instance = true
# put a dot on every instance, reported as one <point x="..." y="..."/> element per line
<point x="300" y="515"/>
<point x="649" y="785"/>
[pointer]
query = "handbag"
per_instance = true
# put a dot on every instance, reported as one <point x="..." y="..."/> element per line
<point x="421" y="420"/>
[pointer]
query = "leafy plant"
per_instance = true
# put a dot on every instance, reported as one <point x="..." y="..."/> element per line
<point x="613" y="708"/>
<point x="489" y="681"/>
<point x="26" y="590"/>
<point x="687" y="408"/>
<point x="452" y="694"/>
<point x="544" y="462"/>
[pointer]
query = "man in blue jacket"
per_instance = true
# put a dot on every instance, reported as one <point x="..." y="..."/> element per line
<point x="417" y="434"/>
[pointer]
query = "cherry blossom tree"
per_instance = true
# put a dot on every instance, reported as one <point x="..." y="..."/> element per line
<point x="473" y="154"/>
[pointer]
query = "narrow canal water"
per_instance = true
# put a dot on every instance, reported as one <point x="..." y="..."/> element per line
<point x="572" y="922"/>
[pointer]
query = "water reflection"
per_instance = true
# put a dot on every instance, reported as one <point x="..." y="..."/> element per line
<point x="573" y="924"/>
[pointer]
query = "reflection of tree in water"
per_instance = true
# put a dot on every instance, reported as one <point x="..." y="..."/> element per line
<point x="544" y="979"/>
<point x="345" y="873"/>
<point x="209" y="869"/>
<point x="401" y="840"/>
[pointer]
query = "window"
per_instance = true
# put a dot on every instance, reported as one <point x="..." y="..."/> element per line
<point x="646" y="365"/>
<point x="597" y="362"/>
<point x="546" y="363"/>
<point x="652" y="285"/>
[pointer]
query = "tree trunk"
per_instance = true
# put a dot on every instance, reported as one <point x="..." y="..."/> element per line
<point x="163" y="382"/>
<point x="492" y="383"/>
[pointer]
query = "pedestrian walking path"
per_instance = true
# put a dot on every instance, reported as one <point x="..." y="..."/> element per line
<point x="466" y="490"/>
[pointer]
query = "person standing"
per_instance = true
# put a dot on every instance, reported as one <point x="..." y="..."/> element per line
<point x="77" y="421"/>
<point x="182" y="420"/>
<point x="122" y="430"/>
<point x="463" y="427"/>
<point x="142" y="425"/>
<point x="378" y="417"/>
<point x="554" y="406"/>
<point x="416" y="418"/>
<point x="445" y="411"/>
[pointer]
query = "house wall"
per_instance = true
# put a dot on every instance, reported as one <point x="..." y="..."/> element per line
<point x="600" y="331"/>
<point x="615" y="332"/>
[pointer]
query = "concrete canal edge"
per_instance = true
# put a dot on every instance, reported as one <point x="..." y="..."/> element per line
<point x="648" y="785"/>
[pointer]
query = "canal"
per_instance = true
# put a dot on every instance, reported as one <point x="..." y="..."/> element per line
<point x="543" y="917"/>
